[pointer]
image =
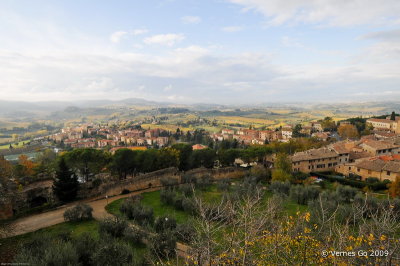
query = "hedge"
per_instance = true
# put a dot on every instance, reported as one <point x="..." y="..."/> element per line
<point x="354" y="183"/>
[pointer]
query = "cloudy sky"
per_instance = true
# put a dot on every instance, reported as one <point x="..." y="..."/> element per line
<point x="217" y="51"/>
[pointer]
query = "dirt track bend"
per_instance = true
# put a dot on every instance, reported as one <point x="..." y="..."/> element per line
<point x="42" y="220"/>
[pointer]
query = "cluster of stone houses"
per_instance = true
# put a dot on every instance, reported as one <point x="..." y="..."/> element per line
<point x="386" y="125"/>
<point x="367" y="157"/>
<point x="82" y="137"/>
<point x="252" y="136"/>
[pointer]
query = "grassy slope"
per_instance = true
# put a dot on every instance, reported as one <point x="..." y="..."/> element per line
<point x="152" y="199"/>
<point x="10" y="246"/>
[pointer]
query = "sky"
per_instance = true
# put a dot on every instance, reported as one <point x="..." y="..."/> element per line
<point x="200" y="51"/>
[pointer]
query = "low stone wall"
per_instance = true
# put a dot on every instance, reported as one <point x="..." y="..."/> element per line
<point x="140" y="182"/>
<point x="42" y="191"/>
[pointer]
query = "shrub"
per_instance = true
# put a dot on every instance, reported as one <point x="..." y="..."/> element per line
<point x="189" y="206"/>
<point x="371" y="180"/>
<point x="62" y="253"/>
<point x="178" y="200"/>
<point x="224" y="185"/>
<point x="113" y="226"/>
<point x="163" y="245"/>
<point x="112" y="252"/>
<point x="260" y="173"/>
<point x="164" y="223"/>
<point x="86" y="245"/>
<point x="77" y="213"/>
<point x="53" y="252"/>
<point x="204" y="182"/>
<point x="35" y="246"/>
<point x="134" y="235"/>
<point x="303" y="194"/>
<point x="187" y="189"/>
<point x="280" y="188"/>
<point x="185" y="232"/>
<point x="167" y="196"/>
<point x="346" y="194"/>
<point x="132" y="209"/>
<point x="354" y="181"/>
<point x="346" y="214"/>
<point x="367" y="204"/>
<point x="327" y="202"/>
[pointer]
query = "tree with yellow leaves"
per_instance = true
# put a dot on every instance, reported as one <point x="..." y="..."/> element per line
<point x="394" y="188"/>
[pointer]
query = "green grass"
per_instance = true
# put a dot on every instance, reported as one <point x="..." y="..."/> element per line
<point x="211" y="194"/>
<point x="152" y="199"/>
<point x="15" y="145"/>
<point x="10" y="246"/>
<point x="114" y="206"/>
<point x="292" y="207"/>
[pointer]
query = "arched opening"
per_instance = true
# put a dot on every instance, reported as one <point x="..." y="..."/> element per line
<point x="38" y="201"/>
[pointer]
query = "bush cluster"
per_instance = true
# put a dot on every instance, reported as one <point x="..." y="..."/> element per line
<point x="113" y="226"/>
<point x="133" y="209"/>
<point x="303" y="194"/>
<point x="375" y="186"/>
<point x="280" y="188"/>
<point x="77" y="213"/>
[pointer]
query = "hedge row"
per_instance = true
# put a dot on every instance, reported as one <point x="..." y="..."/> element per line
<point x="354" y="183"/>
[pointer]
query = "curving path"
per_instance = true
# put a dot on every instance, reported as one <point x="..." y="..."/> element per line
<point x="38" y="221"/>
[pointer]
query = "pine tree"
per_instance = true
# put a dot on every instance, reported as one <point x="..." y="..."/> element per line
<point x="66" y="185"/>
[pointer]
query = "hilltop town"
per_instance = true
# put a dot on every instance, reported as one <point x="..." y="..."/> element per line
<point x="371" y="155"/>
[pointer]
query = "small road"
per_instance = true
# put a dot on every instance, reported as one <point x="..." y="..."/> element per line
<point x="38" y="221"/>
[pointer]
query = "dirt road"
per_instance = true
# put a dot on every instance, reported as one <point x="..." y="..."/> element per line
<point x="46" y="219"/>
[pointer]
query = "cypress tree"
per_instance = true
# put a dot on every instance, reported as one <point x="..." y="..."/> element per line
<point x="66" y="184"/>
<point x="393" y="116"/>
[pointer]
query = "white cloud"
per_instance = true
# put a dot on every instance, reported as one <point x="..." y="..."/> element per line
<point x="164" y="39"/>
<point x="191" y="19"/>
<point x="139" y="31"/>
<point x="117" y="36"/>
<point x="291" y="42"/>
<point x="390" y="35"/>
<point x="325" y="12"/>
<point x="232" y="28"/>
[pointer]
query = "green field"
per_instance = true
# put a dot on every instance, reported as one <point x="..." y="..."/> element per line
<point x="211" y="195"/>
<point x="10" y="246"/>
<point x="19" y="144"/>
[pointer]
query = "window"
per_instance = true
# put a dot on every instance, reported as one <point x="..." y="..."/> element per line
<point x="369" y="172"/>
<point x="387" y="172"/>
<point x="358" y="169"/>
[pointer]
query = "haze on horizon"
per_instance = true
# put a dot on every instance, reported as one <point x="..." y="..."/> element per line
<point x="211" y="51"/>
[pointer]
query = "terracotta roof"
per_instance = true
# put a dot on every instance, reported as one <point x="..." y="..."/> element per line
<point x="392" y="166"/>
<point x="314" y="154"/>
<point x="380" y="120"/>
<point x="374" y="165"/>
<point x="340" y="148"/>
<point x="384" y="134"/>
<point x="199" y="147"/>
<point x="379" y="164"/>
<point x="358" y="155"/>
<point x="379" y="145"/>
